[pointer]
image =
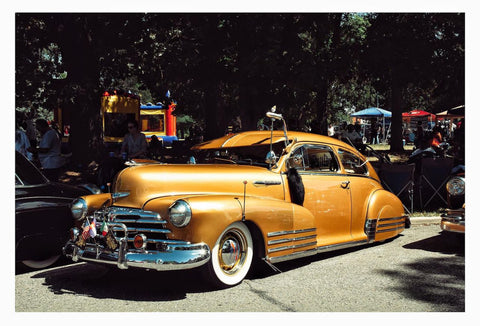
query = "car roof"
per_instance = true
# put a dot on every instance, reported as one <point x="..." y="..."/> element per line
<point x="262" y="137"/>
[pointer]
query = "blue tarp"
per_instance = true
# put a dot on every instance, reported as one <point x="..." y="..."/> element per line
<point x="372" y="113"/>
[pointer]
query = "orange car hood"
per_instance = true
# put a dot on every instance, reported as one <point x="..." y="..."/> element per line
<point x="160" y="180"/>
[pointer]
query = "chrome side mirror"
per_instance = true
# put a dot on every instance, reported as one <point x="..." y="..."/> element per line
<point x="271" y="158"/>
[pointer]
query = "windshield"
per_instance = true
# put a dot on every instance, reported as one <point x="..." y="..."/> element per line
<point x="245" y="155"/>
<point x="26" y="173"/>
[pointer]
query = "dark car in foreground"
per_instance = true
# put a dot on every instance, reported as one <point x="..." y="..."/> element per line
<point x="42" y="214"/>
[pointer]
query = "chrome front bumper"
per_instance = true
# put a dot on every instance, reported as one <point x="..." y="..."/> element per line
<point x="453" y="220"/>
<point x="174" y="257"/>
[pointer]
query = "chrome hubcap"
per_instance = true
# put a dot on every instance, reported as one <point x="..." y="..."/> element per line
<point x="231" y="253"/>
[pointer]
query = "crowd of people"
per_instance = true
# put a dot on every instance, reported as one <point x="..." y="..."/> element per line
<point x="47" y="154"/>
<point x="373" y="134"/>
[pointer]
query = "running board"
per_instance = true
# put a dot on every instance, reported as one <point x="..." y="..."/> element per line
<point x="315" y="251"/>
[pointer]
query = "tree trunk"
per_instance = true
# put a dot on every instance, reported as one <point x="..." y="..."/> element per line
<point x="81" y="63"/>
<point x="396" y="143"/>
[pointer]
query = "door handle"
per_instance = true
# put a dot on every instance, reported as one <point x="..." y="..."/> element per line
<point x="345" y="184"/>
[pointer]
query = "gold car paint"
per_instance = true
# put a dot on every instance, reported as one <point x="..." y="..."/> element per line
<point x="158" y="180"/>
<point x="216" y="195"/>
<point x="387" y="210"/>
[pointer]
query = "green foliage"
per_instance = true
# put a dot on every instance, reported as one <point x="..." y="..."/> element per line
<point x="314" y="67"/>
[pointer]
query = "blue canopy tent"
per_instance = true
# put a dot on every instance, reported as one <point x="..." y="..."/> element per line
<point x="373" y="113"/>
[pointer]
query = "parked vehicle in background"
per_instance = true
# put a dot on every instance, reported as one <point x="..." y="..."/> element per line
<point x="42" y="214"/>
<point x="251" y="199"/>
<point x="453" y="220"/>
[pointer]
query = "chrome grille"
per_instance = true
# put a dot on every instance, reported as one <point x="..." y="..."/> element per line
<point x="136" y="221"/>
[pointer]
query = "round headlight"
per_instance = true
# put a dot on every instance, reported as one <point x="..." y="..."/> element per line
<point x="180" y="213"/>
<point x="79" y="209"/>
<point x="456" y="186"/>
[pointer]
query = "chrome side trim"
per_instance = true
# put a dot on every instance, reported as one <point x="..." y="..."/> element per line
<point x="292" y="247"/>
<point x="392" y="218"/>
<point x="267" y="183"/>
<point x="389" y="230"/>
<point x="311" y="252"/>
<point x="278" y="241"/>
<point x="277" y="233"/>
<point x="370" y="228"/>
<point x="391" y="224"/>
<point x="295" y="255"/>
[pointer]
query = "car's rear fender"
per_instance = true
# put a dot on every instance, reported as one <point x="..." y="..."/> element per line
<point x="385" y="216"/>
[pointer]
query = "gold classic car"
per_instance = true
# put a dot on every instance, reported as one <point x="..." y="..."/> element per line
<point x="258" y="197"/>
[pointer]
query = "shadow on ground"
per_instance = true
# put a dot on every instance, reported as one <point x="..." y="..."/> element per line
<point x="436" y="280"/>
<point x="134" y="285"/>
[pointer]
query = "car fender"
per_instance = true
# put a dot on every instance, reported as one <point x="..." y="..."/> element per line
<point x="211" y="214"/>
<point x="385" y="216"/>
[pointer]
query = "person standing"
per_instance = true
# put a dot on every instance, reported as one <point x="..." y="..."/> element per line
<point x="49" y="150"/>
<point x="135" y="143"/>
<point x="331" y="130"/>
<point x="21" y="142"/>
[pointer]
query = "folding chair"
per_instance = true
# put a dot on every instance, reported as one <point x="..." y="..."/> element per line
<point x="399" y="180"/>
<point x="434" y="174"/>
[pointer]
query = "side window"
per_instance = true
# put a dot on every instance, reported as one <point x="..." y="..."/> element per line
<point x="321" y="159"/>
<point x="352" y="163"/>
<point x="314" y="158"/>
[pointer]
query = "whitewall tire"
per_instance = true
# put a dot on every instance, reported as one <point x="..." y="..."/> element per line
<point x="232" y="255"/>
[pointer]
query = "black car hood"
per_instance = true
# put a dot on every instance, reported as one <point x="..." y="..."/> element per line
<point x="50" y="189"/>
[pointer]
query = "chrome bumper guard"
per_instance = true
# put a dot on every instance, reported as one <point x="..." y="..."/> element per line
<point x="175" y="257"/>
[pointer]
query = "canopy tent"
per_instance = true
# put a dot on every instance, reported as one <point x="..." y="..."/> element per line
<point x="372" y="113"/>
<point x="456" y="112"/>
<point x="418" y="113"/>
<point x="412" y="118"/>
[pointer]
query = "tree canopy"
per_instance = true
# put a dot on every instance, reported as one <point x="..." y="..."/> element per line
<point x="218" y="66"/>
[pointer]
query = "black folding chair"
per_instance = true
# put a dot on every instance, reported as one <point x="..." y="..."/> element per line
<point x="399" y="180"/>
<point x="434" y="174"/>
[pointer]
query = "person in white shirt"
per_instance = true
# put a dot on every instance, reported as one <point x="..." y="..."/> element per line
<point x="49" y="150"/>
<point x="22" y="143"/>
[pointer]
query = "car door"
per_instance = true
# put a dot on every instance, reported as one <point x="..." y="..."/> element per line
<point x="327" y="193"/>
<point x="361" y="185"/>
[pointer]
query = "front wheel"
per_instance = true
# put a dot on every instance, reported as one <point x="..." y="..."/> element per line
<point x="231" y="256"/>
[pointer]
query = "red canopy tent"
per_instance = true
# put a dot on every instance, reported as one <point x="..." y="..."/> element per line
<point x="413" y="117"/>
<point x="418" y="113"/>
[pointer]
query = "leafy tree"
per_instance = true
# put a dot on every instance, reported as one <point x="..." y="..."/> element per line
<point x="222" y="65"/>
<point x="413" y="51"/>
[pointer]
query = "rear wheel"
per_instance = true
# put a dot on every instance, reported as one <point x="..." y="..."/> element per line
<point x="40" y="264"/>
<point x="231" y="256"/>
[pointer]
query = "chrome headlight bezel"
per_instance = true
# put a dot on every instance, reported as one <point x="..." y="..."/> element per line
<point x="456" y="186"/>
<point x="79" y="209"/>
<point x="180" y="213"/>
